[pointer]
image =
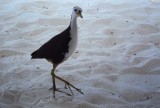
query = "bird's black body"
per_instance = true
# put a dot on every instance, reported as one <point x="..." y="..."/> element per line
<point x="55" y="49"/>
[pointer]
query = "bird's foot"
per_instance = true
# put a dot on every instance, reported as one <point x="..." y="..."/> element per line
<point x="69" y="85"/>
<point x="59" y="91"/>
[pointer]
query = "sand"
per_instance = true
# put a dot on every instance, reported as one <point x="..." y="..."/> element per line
<point x="116" y="64"/>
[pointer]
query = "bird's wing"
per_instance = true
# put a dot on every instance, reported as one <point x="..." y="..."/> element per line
<point x="55" y="47"/>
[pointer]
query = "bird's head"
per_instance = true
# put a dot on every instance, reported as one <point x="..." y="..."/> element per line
<point x="77" y="11"/>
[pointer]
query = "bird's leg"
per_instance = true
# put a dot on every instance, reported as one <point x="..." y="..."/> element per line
<point x="69" y="85"/>
<point x="54" y="84"/>
<point x="53" y="80"/>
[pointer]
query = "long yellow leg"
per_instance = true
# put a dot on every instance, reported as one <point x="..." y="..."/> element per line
<point x="54" y="89"/>
<point x="69" y="85"/>
<point x="53" y="80"/>
<point x="64" y="81"/>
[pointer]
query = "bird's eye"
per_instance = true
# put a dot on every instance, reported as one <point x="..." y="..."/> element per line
<point x="75" y="10"/>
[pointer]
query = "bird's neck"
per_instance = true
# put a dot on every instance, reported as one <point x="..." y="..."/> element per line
<point x="73" y="23"/>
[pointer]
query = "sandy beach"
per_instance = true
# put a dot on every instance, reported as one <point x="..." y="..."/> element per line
<point x="116" y="63"/>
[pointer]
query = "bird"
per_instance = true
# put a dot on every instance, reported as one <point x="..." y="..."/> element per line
<point x="59" y="48"/>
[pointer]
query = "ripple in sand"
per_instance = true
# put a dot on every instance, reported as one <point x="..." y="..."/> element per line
<point x="146" y="29"/>
<point x="7" y="53"/>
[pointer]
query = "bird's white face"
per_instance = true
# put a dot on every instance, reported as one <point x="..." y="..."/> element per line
<point x="77" y="11"/>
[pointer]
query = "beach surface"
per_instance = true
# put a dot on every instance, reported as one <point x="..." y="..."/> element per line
<point x="116" y="63"/>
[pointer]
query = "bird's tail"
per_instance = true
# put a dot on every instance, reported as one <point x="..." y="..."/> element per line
<point x="33" y="55"/>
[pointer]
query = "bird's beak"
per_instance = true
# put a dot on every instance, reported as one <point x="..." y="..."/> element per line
<point x="79" y="14"/>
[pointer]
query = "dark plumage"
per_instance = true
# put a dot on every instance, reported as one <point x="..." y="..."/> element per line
<point x="55" y="49"/>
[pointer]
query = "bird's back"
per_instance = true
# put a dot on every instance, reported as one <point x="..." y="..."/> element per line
<point x="55" y="49"/>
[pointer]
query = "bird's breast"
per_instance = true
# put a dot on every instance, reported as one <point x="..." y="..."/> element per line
<point x="72" y="44"/>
